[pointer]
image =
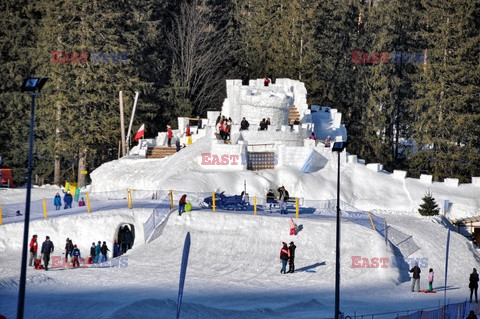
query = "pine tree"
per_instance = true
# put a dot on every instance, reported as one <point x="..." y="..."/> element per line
<point x="446" y="106"/>
<point x="429" y="207"/>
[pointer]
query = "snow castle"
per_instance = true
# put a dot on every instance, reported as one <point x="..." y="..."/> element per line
<point x="281" y="144"/>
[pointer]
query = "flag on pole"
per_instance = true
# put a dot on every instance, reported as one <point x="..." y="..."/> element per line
<point x="140" y="133"/>
<point x="183" y="271"/>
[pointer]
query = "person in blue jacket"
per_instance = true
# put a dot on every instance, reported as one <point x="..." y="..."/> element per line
<point x="68" y="199"/>
<point x="116" y="249"/>
<point x="98" y="250"/>
<point x="57" y="201"/>
<point x="76" y="256"/>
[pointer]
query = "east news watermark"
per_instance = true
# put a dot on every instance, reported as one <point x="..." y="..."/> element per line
<point x="388" y="57"/>
<point x="85" y="57"/>
<point x="385" y="262"/>
<point x="60" y="262"/>
<point x="229" y="159"/>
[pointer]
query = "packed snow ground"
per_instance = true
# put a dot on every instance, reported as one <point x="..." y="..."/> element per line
<point x="234" y="268"/>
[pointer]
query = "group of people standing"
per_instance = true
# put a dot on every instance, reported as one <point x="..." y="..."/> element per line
<point x="45" y="251"/>
<point x="98" y="253"/>
<point x="287" y="254"/>
<point x="472" y="284"/>
<point x="67" y="200"/>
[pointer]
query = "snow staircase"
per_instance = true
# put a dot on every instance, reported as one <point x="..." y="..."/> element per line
<point x="294" y="114"/>
<point x="160" y="152"/>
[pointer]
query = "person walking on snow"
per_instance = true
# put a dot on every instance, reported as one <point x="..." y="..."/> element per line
<point x="181" y="204"/>
<point x="169" y="135"/>
<point x="47" y="249"/>
<point x="473" y="285"/>
<point x="284" y="256"/>
<point x="104" y="251"/>
<point x="92" y="253"/>
<point x="33" y="250"/>
<point x="430" y="279"/>
<point x="293" y="227"/>
<point x="76" y="257"/>
<point x="283" y="199"/>
<point x="57" y="201"/>
<point x="68" y="199"/>
<point x="68" y="249"/>
<point x="416" y="277"/>
<point x="116" y="249"/>
<point x="98" y="250"/>
<point x="291" y="261"/>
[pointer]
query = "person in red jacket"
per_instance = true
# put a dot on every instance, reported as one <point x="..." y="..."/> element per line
<point x="33" y="250"/>
<point x="284" y="256"/>
<point x="181" y="204"/>
<point x="169" y="135"/>
<point x="187" y="130"/>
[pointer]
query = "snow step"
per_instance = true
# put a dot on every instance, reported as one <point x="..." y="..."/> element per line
<point x="294" y="114"/>
<point x="160" y="152"/>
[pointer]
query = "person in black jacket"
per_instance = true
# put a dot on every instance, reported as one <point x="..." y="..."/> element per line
<point x="473" y="285"/>
<point x="92" y="252"/>
<point x="283" y="198"/>
<point x="47" y="249"/>
<point x="76" y="257"/>
<point x="244" y="125"/>
<point x="416" y="277"/>
<point x="68" y="249"/>
<point x="472" y="315"/>
<point x="291" y="261"/>
<point x="104" y="250"/>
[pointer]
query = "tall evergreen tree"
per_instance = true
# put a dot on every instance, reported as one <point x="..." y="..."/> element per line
<point x="447" y="104"/>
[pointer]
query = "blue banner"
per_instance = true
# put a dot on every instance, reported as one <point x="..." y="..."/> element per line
<point x="183" y="272"/>
<point x="446" y="269"/>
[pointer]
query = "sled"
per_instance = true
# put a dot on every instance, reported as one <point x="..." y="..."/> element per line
<point x="188" y="207"/>
<point x="428" y="292"/>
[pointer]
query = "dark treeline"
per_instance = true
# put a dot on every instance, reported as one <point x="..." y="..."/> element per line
<point x="423" y="116"/>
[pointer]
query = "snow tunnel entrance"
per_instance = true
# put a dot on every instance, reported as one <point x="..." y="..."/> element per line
<point x="125" y="236"/>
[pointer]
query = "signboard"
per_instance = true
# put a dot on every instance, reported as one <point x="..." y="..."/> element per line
<point x="84" y="172"/>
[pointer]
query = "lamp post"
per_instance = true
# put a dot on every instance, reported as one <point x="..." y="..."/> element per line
<point x="33" y="86"/>
<point x="338" y="147"/>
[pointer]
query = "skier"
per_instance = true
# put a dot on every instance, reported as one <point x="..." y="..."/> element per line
<point x="57" y="201"/>
<point x="33" y="250"/>
<point x="98" y="250"/>
<point x="104" y="251"/>
<point x="68" y="249"/>
<point x="291" y="261"/>
<point x="75" y="256"/>
<point x="181" y="204"/>
<point x="430" y="279"/>
<point x="169" y="135"/>
<point x="416" y="277"/>
<point x="473" y="285"/>
<point x="293" y="227"/>
<point x="47" y="249"/>
<point x="116" y="249"/>
<point x="92" y="254"/>
<point x="284" y="256"/>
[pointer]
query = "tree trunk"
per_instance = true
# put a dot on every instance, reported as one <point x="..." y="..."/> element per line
<point x="82" y="166"/>
<point x="56" y="171"/>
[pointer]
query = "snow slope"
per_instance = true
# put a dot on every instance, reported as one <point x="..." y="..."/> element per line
<point x="233" y="268"/>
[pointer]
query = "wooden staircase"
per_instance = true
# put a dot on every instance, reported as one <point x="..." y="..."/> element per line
<point x="160" y="152"/>
<point x="294" y="114"/>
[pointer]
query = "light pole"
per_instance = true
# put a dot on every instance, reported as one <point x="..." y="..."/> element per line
<point x="338" y="147"/>
<point x="33" y="86"/>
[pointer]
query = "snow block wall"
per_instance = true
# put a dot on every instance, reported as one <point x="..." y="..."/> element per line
<point x="256" y="101"/>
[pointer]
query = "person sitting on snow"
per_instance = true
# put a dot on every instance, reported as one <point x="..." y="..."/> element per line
<point x="81" y="203"/>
